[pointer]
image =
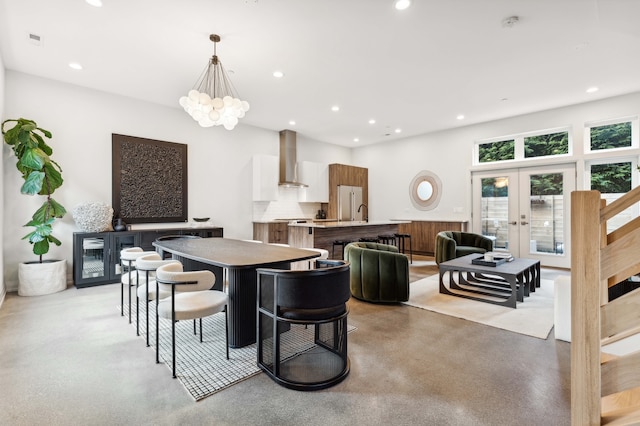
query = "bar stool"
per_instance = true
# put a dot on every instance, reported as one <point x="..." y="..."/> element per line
<point x="342" y="244"/>
<point x="369" y="239"/>
<point x="389" y="239"/>
<point x="401" y="247"/>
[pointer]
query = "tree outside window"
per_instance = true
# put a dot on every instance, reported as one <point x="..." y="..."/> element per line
<point x="611" y="136"/>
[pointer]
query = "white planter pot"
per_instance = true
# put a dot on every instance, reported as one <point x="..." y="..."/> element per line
<point x="37" y="279"/>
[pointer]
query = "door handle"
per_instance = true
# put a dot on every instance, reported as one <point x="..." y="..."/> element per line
<point x="524" y="223"/>
<point x="513" y="223"/>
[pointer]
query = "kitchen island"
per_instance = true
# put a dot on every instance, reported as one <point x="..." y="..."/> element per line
<point x="323" y="234"/>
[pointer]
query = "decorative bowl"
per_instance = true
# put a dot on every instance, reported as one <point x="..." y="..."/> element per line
<point x="201" y="219"/>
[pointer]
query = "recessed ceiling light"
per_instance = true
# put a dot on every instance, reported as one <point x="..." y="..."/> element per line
<point x="460" y="117"/>
<point x="372" y="121"/>
<point x="335" y="108"/>
<point x="96" y="3"/>
<point x="398" y="130"/>
<point x="592" y="89"/>
<point x="356" y="139"/>
<point x="292" y="123"/>
<point x="278" y="74"/>
<point x="75" y="65"/>
<point x="402" y="4"/>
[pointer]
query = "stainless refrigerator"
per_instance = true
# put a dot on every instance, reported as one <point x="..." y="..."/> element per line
<point x="349" y="200"/>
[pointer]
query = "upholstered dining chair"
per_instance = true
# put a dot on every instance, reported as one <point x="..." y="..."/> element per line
<point x="147" y="266"/>
<point x="289" y="302"/>
<point x="191" y="298"/>
<point x="131" y="278"/>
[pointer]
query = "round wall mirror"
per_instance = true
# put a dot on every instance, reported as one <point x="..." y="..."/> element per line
<point x="425" y="190"/>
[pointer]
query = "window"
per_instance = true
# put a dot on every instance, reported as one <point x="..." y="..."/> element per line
<point x="523" y="147"/>
<point x="613" y="180"/>
<point x="546" y="145"/>
<point x="496" y="151"/>
<point x="616" y="134"/>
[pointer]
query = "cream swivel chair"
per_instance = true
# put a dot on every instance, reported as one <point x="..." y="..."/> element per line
<point x="147" y="266"/>
<point x="131" y="278"/>
<point x="191" y="298"/>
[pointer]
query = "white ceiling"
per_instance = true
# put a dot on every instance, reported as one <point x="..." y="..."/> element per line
<point x="416" y="69"/>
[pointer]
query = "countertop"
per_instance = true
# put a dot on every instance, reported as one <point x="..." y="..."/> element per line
<point x="347" y="223"/>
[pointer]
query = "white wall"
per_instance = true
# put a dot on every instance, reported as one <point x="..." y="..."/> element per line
<point x="82" y="121"/>
<point x="3" y="287"/>
<point x="448" y="154"/>
<point x="220" y="162"/>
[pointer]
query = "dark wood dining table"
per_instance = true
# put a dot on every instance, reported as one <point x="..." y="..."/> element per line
<point x="241" y="259"/>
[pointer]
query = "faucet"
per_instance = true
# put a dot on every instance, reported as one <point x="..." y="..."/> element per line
<point x="366" y="219"/>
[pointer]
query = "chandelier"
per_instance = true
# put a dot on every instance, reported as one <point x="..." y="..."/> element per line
<point x="213" y="100"/>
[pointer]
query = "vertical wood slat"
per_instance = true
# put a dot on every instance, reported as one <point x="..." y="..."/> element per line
<point x="585" y="308"/>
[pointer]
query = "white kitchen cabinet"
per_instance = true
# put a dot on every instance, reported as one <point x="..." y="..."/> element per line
<point x="316" y="175"/>
<point x="265" y="178"/>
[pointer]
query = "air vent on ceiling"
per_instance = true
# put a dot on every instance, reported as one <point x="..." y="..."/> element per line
<point x="35" y="39"/>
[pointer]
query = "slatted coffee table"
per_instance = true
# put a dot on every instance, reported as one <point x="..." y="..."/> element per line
<point x="505" y="284"/>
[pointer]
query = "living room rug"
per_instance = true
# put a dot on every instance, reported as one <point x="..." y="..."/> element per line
<point x="203" y="368"/>
<point x="533" y="317"/>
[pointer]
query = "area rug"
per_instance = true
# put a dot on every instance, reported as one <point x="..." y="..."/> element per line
<point x="203" y="368"/>
<point x="533" y="317"/>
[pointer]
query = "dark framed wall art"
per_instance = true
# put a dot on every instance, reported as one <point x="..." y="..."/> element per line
<point x="149" y="180"/>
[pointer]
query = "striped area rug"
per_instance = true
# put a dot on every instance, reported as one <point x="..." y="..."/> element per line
<point x="203" y="368"/>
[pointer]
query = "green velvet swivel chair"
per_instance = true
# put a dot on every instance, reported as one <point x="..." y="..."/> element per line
<point x="452" y="244"/>
<point x="378" y="272"/>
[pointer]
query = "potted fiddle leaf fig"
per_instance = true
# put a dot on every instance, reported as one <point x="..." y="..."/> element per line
<point x="42" y="176"/>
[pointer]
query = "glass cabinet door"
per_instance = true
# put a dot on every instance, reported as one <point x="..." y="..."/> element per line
<point x="93" y="256"/>
<point x="120" y="241"/>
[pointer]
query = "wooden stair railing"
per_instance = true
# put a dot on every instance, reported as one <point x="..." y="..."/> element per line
<point x="605" y="389"/>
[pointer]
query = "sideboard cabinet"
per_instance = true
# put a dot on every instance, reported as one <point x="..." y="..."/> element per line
<point x="96" y="255"/>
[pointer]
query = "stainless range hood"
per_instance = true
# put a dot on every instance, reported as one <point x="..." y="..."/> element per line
<point x="288" y="164"/>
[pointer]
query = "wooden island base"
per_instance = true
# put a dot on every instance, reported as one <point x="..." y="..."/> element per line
<point x="323" y="236"/>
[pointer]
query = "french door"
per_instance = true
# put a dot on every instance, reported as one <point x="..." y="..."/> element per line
<point x="526" y="211"/>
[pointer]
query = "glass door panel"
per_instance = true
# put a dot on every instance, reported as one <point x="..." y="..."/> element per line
<point x="495" y="210"/>
<point x="546" y="218"/>
<point x="121" y="240"/>
<point x="545" y="214"/>
<point x="93" y="258"/>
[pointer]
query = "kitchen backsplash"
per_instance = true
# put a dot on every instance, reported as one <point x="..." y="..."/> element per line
<point x="287" y="207"/>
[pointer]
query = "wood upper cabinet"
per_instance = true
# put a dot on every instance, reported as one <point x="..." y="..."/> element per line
<point x="342" y="174"/>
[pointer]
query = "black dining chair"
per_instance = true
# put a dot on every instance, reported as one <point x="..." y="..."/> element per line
<point x="304" y="312"/>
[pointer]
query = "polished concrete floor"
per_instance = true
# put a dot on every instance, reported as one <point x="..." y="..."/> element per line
<point x="71" y="359"/>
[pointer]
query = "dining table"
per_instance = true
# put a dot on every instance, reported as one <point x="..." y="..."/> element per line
<point x="240" y="260"/>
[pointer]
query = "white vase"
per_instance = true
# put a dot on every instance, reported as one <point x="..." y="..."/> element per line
<point x="38" y="279"/>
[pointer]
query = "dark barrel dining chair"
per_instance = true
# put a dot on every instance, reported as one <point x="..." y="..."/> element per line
<point x="302" y="325"/>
